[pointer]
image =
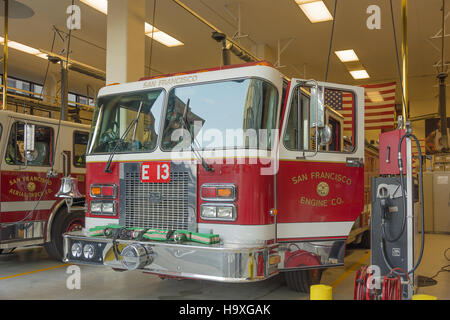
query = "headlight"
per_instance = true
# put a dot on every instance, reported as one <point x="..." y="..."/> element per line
<point x="108" y="207"/>
<point x="218" y="212"/>
<point x="76" y="250"/>
<point x="208" y="212"/>
<point x="225" y="212"/>
<point x="103" y="207"/>
<point x="96" y="207"/>
<point x="88" y="251"/>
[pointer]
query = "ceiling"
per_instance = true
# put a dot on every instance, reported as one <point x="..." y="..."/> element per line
<point x="263" y="21"/>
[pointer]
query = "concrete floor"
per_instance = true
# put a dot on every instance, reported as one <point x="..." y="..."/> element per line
<point x="28" y="273"/>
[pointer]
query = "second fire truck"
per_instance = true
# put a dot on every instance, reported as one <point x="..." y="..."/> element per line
<point x="36" y="152"/>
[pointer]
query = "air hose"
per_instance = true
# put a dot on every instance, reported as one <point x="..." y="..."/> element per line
<point x="384" y="238"/>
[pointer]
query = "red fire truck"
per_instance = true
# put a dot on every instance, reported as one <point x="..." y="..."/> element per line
<point x="231" y="174"/>
<point x="36" y="153"/>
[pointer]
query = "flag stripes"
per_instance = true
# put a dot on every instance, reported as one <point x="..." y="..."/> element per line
<point x="379" y="106"/>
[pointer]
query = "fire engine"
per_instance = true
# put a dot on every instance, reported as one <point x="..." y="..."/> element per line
<point x="231" y="174"/>
<point x="36" y="153"/>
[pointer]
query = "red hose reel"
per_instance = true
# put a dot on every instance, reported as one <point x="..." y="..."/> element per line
<point x="391" y="288"/>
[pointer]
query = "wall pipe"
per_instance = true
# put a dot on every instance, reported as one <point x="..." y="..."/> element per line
<point x="5" y="55"/>
<point x="405" y="100"/>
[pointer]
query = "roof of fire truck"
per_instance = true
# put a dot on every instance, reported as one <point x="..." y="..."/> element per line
<point x="22" y="116"/>
<point x="192" y="72"/>
<point x="233" y="66"/>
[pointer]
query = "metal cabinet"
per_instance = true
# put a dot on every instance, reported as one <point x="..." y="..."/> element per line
<point x="441" y="201"/>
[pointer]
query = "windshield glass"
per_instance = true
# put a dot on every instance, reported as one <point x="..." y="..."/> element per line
<point x="116" y="114"/>
<point x="227" y="114"/>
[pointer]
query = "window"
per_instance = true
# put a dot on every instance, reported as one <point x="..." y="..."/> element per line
<point x="30" y="89"/>
<point x="91" y="102"/>
<point x="37" y="89"/>
<point x="225" y="114"/>
<point x="82" y="100"/>
<point x="71" y="98"/>
<point x="127" y="122"/>
<point x="80" y="141"/>
<point x="297" y="134"/>
<point x="41" y="156"/>
<point x="335" y="122"/>
<point x="338" y="116"/>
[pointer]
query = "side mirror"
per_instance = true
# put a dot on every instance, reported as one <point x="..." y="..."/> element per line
<point x="317" y="107"/>
<point x="28" y="145"/>
<point x="325" y="135"/>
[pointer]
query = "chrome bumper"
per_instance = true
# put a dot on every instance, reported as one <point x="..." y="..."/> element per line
<point x="187" y="260"/>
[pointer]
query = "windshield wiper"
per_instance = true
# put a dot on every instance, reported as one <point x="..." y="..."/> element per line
<point x="134" y="122"/>
<point x="197" y="145"/>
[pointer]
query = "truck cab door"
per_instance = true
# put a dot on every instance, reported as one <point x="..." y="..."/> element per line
<point x="320" y="180"/>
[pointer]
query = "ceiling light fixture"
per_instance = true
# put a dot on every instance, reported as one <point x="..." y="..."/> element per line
<point x="347" y="55"/>
<point x="23" y="48"/>
<point x="158" y="35"/>
<point x="359" y="74"/>
<point x="315" y="10"/>
<point x="99" y="5"/>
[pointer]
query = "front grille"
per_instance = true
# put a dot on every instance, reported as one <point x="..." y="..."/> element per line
<point x="168" y="206"/>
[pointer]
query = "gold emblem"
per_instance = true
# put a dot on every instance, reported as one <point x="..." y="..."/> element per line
<point x="31" y="186"/>
<point x="323" y="189"/>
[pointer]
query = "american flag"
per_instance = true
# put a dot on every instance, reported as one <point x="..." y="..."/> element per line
<point x="379" y="106"/>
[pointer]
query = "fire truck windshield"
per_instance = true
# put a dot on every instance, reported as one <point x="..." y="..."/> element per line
<point x="115" y="113"/>
<point x="223" y="114"/>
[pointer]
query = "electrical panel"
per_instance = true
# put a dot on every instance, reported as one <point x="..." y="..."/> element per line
<point x="388" y="146"/>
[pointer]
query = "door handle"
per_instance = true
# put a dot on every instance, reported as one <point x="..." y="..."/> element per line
<point x="354" y="162"/>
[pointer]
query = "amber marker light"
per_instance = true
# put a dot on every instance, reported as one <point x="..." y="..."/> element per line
<point x="224" y="192"/>
<point x="96" y="191"/>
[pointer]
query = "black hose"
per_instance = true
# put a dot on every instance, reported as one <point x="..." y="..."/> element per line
<point x="331" y="39"/>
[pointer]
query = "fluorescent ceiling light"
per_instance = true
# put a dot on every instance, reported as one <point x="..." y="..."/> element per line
<point x="160" y="36"/>
<point x="42" y="55"/>
<point x="347" y="55"/>
<point x="375" y="96"/>
<point x="359" y="74"/>
<point x="316" y="11"/>
<point x="23" y="48"/>
<point x="100" y="5"/>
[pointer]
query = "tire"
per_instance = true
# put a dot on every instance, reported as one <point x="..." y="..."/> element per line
<point x="64" y="222"/>
<point x="301" y="280"/>
<point x="6" y="251"/>
<point x="365" y="240"/>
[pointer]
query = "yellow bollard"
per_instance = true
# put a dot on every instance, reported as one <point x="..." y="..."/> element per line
<point x="423" y="297"/>
<point x="321" y="292"/>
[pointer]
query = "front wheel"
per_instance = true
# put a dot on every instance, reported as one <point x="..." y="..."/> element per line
<point x="365" y="240"/>
<point x="65" y="221"/>
<point x="302" y="280"/>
